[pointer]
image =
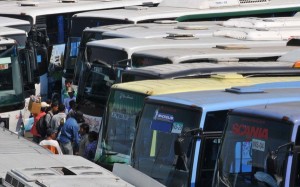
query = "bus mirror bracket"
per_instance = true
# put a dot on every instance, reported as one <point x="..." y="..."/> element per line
<point x="272" y="158"/>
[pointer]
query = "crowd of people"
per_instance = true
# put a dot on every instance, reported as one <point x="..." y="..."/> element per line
<point x="61" y="128"/>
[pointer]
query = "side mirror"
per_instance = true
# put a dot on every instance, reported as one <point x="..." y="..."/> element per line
<point x="88" y="65"/>
<point x="178" y="146"/>
<point x="271" y="163"/>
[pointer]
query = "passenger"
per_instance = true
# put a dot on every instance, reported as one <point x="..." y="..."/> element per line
<point x="58" y="119"/>
<point x="64" y="92"/>
<point x="69" y="134"/>
<point x="36" y="136"/>
<point x="70" y="97"/>
<point x="90" y="150"/>
<point x="50" y="142"/>
<point x="84" y="138"/>
<point x="73" y="106"/>
<point x="53" y="110"/>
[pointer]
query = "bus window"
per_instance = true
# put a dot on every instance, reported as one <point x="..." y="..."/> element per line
<point x="140" y="61"/>
<point x="6" y="81"/>
<point x="215" y="121"/>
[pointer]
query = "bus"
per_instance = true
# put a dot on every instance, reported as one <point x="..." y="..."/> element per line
<point x="25" y="57"/>
<point x="50" y="26"/>
<point x="178" y="135"/>
<point x="260" y="147"/>
<point x="24" y="163"/>
<point x="193" y="62"/>
<point x="127" y="99"/>
<point x="11" y="85"/>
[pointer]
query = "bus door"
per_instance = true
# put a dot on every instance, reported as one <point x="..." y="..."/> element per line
<point x="210" y="143"/>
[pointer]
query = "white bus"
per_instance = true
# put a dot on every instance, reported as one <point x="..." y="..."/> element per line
<point x="11" y="85"/>
<point x="24" y="163"/>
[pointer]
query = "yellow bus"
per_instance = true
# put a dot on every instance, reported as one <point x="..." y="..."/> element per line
<point x="126" y="100"/>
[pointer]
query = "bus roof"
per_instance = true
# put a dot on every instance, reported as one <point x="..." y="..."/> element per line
<point x="246" y="9"/>
<point x="131" y="45"/>
<point x="180" y="55"/>
<point x="218" y="100"/>
<point x="136" y="14"/>
<point x="221" y="81"/>
<point x="161" y="30"/>
<point x="289" y="111"/>
<point x="174" y="9"/>
<point x="5" y="41"/>
<point x="259" y="34"/>
<point x="48" y="7"/>
<point x="166" y="71"/>
<point x="6" y="21"/>
<point x="199" y="29"/>
<point x="26" y="160"/>
<point x="6" y="31"/>
<point x="259" y="23"/>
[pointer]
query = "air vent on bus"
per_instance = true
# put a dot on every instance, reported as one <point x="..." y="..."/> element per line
<point x="231" y="47"/>
<point x="191" y="27"/>
<point x="253" y="1"/>
<point x="165" y="21"/>
<point x="136" y="8"/>
<point x="28" y="3"/>
<point x="244" y="89"/>
<point x="181" y="36"/>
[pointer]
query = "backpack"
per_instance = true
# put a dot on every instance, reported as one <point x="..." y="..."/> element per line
<point x="41" y="126"/>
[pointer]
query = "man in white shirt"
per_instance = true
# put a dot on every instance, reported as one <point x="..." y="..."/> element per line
<point x="50" y="142"/>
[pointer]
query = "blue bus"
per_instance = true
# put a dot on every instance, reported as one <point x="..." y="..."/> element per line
<point x="260" y="147"/>
<point x="178" y="135"/>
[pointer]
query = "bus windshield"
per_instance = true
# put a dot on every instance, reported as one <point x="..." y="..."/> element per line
<point x="80" y="23"/>
<point x="95" y="82"/>
<point x="106" y="55"/>
<point x="119" y="126"/>
<point x="11" y="86"/>
<point x="81" y="58"/>
<point x="153" y="151"/>
<point x="246" y="145"/>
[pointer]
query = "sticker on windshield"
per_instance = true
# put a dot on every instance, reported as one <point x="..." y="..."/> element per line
<point x="163" y="117"/>
<point x="177" y="127"/>
<point x="258" y="145"/>
<point x="4" y="63"/>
